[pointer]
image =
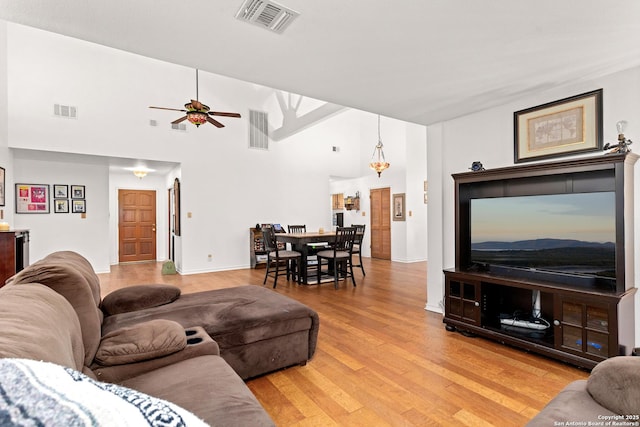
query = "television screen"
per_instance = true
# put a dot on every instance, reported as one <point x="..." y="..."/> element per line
<point x="560" y="233"/>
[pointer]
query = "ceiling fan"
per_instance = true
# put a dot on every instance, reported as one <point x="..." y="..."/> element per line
<point x="198" y="113"/>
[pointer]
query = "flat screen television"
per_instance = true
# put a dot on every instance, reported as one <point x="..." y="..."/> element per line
<point x="560" y="237"/>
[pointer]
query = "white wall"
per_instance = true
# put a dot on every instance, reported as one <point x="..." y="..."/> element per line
<point x="487" y="136"/>
<point x="226" y="188"/>
<point x="405" y="149"/>
<point x="66" y="231"/>
<point x="6" y="159"/>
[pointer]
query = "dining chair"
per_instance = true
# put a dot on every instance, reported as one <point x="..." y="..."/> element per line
<point x="297" y="228"/>
<point x="339" y="257"/>
<point x="357" y="245"/>
<point x="276" y="257"/>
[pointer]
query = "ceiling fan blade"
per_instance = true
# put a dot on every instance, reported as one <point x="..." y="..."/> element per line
<point x="170" y="109"/>
<point x="215" y="122"/>
<point x="181" y="119"/>
<point x="220" y="113"/>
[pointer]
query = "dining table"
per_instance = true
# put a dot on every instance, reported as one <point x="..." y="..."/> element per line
<point x="306" y="243"/>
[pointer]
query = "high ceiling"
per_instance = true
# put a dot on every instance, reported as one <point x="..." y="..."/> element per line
<point x="421" y="61"/>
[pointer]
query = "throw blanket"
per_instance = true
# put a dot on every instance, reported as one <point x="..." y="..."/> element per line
<point x="36" y="393"/>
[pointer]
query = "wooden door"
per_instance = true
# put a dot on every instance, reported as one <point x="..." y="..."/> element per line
<point x="381" y="223"/>
<point x="137" y="225"/>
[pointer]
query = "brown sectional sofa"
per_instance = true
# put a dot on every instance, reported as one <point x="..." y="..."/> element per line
<point x="610" y="396"/>
<point x="192" y="350"/>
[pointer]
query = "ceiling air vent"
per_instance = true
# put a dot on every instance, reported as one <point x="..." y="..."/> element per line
<point x="267" y="14"/>
<point x="258" y="130"/>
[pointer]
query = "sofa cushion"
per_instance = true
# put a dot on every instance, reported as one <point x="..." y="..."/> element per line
<point x="38" y="323"/>
<point x="573" y="403"/>
<point x="41" y="393"/>
<point x="138" y="297"/>
<point x="199" y="343"/>
<point x="208" y="387"/>
<point x="71" y="283"/>
<point x="144" y="341"/>
<point x="615" y="384"/>
<point x="82" y="265"/>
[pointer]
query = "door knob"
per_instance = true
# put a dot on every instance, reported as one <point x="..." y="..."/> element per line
<point x="153" y="228"/>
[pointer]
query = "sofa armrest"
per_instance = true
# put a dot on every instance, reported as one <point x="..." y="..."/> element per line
<point x="573" y="403"/>
<point x="133" y="298"/>
<point x="198" y="343"/>
<point x="615" y="384"/>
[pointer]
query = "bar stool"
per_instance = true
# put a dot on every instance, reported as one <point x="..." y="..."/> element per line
<point x="276" y="256"/>
<point x="339" y="257"/>
<point x="357" y="245"/>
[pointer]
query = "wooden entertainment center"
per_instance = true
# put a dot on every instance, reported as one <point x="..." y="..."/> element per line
<point x="588" y="321"/>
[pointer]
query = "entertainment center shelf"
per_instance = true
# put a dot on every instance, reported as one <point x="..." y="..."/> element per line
<point x="584" y="324"/>
<point x="572" y="300"/>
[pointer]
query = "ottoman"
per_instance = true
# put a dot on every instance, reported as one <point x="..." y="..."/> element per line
<point x="258" y="330"/>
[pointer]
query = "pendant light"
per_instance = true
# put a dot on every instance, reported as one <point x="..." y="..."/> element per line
<point x="378" y="162"/>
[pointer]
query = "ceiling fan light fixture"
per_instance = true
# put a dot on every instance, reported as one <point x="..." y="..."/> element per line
<point x="197" y="118"/>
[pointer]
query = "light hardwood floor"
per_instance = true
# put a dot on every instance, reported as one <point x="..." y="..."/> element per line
<point x="382" y="360"/>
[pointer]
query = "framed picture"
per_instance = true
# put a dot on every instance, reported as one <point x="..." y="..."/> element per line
<point x="32" y="198"/>
<point x="176" y="207"/>
<point x="2" y="182"/>
<point x="568" y="126"/>
<point x="78" y="206"/>
<point x="61" y="205"/>
<point x="60" y="191"/>
<point x="398" y="207"/>
<point x="77" y="191"/>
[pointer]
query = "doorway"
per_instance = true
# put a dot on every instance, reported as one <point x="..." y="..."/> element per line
<point x="381" y="223"/>
<point x="136" y="225"/>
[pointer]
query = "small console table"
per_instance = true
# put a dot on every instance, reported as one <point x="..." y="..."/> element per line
<point x="14" y="253"/>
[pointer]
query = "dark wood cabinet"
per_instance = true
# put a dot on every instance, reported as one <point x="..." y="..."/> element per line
<point x="462" y="299"/>
<point x="14" y="253"/>
<point x="522" y="282"/>
<point x="585" y="326"/>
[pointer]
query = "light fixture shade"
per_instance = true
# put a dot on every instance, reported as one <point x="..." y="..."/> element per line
<point x="379" y="166"/>
<point x="140" y="173"/>
<point x="378" y="162"/>
<point x="197" y="118"/>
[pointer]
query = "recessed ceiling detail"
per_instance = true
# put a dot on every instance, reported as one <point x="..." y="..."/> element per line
<point x="266" y="14"/>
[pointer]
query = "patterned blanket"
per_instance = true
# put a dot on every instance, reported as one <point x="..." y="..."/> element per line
<point x="36" y="393"/>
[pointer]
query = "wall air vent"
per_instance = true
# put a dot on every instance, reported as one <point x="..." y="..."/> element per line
<point x="179" y="126"/>
<point x="66" y="111"/>
<point x="266" y="14"/>
<point x="258" y="130"/>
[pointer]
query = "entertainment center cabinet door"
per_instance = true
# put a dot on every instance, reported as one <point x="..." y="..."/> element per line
<point x="586" y="328"/>
<point x="462" y="300"/>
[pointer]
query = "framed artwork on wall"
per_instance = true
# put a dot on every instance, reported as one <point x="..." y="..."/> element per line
<point x="61" y="205"/>
<point x="176" y="207"/>
<point x="77" y="191"/>
<point x="78" y="206"/>
<point x="398" y="207"/>
<point x="60" y="191"/>
<point x="2" y="183"/>
<point x="568" y="126"/>
<point x="32" y="198"/>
